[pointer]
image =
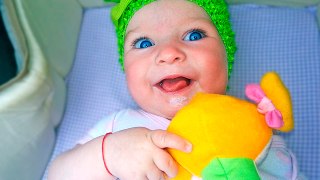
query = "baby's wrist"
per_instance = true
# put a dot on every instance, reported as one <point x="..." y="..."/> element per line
<point x="103" y="149"/>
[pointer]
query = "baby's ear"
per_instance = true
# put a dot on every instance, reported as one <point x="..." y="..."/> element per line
<point x="275" y="90"/>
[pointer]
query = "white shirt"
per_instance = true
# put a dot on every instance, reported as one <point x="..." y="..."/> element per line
<point x="125" y="119"/>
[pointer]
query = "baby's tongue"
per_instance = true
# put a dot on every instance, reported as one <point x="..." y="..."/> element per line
<point x="171" y="85"/>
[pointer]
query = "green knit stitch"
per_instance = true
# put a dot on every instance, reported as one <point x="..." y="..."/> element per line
<point x="123" y="22"/>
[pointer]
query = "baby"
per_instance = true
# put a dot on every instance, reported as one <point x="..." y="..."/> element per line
<point x="170" y="50"/>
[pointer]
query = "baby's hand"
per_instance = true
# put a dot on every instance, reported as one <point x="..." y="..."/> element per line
<point x="139" y="153"/>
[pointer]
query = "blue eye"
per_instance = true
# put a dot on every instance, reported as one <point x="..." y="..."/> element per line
<point x="194" y="35"/>
<point x="142" y="43"/>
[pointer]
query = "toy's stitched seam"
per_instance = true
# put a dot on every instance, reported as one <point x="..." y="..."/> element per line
<point x="224" y="170"/>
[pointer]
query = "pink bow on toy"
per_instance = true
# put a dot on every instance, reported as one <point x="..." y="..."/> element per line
<point x="265" y="106"/>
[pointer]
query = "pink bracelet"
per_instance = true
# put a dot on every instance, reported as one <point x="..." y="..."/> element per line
<point x="104" y="161"/>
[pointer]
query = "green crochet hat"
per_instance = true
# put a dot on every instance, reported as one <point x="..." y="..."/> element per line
<point x="122" y="13"/>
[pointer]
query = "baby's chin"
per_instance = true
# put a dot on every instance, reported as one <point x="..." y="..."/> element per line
<point x="168" y="112"/>
<point x="169" y="108"/>
<point x="178" y="101"/>
<point x="175" y="104"/>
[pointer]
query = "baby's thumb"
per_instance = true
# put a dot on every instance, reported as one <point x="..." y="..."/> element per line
<point x="164" y="139"/>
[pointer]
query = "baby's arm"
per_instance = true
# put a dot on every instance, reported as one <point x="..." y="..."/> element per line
<point x="82" y="162"/>
<point x="136" y="153"/>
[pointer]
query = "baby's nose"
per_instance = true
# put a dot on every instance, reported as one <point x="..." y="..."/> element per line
<point x="170" y="54"/>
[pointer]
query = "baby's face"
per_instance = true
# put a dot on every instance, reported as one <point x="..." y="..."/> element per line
<point x="172" y="51"/>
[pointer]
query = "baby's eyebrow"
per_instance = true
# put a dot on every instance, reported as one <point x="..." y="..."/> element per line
<point x="192" y="22"/>
<point x="130" y="32"/>
<point x="133" y="29"/>
<point x="200" y="20"/>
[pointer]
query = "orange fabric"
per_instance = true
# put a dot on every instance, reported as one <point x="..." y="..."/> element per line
<point x="224" y="126"/>
<point x="216" y="127"/>
<point x="280" y="96"/>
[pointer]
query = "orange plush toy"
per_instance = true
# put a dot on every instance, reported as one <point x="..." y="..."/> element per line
<point x="229" y="134"/>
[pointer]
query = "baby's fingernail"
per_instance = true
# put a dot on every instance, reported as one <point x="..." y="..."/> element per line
<point x="188" y="147"/>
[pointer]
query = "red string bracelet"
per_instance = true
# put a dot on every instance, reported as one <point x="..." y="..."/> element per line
<point x="104" y="161"/>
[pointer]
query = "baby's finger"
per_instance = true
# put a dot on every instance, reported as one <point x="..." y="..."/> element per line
<point x="165" y="163"/>
<point x="155" y="174"/>
<point x="164" y="139"/>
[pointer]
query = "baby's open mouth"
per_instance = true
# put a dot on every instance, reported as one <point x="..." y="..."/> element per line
<point x="174" y="84"/>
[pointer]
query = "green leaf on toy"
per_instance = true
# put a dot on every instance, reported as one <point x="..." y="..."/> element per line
<point x="230" y="168"/>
